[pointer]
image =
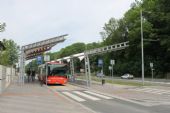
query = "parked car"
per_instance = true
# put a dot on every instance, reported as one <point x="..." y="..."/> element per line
<point x="127" y="76"/>
<point x="100" y="75"/>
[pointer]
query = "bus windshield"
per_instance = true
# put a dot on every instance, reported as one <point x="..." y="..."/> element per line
<point x="57" y="70"/>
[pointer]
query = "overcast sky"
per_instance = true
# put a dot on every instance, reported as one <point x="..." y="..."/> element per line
<point x="30" y="21"/>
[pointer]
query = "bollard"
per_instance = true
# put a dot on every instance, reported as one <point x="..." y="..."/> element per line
<point x="103" y="81"/>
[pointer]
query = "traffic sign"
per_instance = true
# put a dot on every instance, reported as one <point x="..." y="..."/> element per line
<point x="39" y="59"/>
<point x="100" y="62"/>
<point x="46" y="58"/>
<point x="151" y="64"/>
<point x="112" y="62"/>
<point x="110" y="67"/>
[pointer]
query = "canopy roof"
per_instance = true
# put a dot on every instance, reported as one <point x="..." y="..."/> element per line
<point x="38" y="48"/>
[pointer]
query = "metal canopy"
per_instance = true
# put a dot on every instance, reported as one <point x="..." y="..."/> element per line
<point x="33" y="50"/>
<point x="109" y="48"/>
<point x="101" y="50"/>
<point x="38" y="48"/>
<point x="86" y="54"/>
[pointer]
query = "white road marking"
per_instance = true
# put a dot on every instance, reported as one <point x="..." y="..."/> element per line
<point x="74" y="97"/>
<point x="160" y="91"/>
<point x="141" y="89"/>
<point x="85" y="95"/>
<point x="152" y="90"/>
<point x="99" y="95"/>
<point x="166" y="92"/>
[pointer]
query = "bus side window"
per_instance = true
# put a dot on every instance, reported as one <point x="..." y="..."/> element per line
<point x="49" y="70"/>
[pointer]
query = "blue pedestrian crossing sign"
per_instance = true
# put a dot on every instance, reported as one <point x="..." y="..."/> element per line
<point x="100" y="62"/>
<point x="39" y="59"/>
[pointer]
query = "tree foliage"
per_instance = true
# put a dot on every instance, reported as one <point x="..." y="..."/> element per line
<point x="156" y="26"/>
<point x="10" y="55"/>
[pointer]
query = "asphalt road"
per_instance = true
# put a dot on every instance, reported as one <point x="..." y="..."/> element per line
<point x="98" y="104"/>
<point x="119" y="106"/>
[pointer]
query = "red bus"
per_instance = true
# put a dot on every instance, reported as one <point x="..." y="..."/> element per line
<point x="54" y="72"/>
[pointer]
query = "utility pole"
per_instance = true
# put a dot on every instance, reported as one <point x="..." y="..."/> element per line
<point x="141" y="17"/>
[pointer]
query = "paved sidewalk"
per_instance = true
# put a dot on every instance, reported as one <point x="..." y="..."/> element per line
<point x="32" y="98"/>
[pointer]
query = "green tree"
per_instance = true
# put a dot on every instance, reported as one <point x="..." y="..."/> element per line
<point x="11" y="54"/>
<point x="156" y="22"/>
<point x="72" y="49"/>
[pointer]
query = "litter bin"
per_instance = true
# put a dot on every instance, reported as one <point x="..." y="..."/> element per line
<point x="103" y="81"/>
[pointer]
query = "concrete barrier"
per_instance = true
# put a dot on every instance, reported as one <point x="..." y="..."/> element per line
<point x="6" y="76"/>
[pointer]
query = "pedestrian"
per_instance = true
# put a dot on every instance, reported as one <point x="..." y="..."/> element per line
<point x="28" y="74"/>
<point x="41" y="80"/>
<point x="103" y="82"/>
<point x="33" y="75"/>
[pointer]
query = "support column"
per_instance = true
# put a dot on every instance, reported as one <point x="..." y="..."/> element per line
<point x="72" y="66"/>
<point x="22" y="67"/>
<point x="87" y="70"/>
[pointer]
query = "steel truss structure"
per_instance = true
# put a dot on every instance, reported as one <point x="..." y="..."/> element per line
<point x="86" y="54"/>
<point x="72" y="66"/>
<point x="33" y="50"/>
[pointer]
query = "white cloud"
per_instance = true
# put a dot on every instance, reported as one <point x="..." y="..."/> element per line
<point x="29" y="21"/>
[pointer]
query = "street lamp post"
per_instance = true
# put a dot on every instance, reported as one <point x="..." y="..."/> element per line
<point x="112" y="62"/>
<point x="141" y="17"/>
<point x="142" y="40"/>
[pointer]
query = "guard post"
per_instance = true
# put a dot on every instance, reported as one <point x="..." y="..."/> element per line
<point x="151" y="66"/>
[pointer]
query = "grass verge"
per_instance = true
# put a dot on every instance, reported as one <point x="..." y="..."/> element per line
<point x="117" y="81"/>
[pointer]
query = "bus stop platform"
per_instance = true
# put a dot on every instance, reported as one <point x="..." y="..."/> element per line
<point x="34" y="98"/>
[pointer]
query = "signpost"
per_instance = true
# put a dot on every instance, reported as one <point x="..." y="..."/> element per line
<point x="112" y="62"/>
<point x="110" y="68"/>
<point x="151" y="65"/>
<point x="46" y="59"/>
<point x="100" y="64"/>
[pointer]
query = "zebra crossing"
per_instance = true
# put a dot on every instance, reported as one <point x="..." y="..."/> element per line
<point x="82" y="96"/>
<point x="152" y="90"/>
